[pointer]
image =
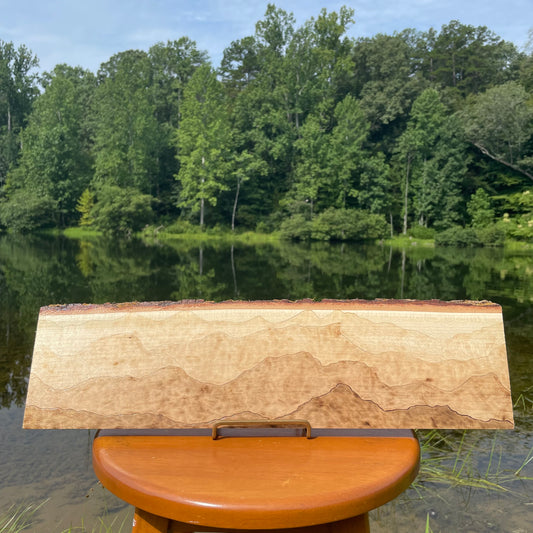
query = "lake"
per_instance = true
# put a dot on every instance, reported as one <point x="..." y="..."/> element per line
<point x="474" y="481"/>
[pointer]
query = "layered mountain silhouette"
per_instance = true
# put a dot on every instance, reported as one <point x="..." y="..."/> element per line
<point x="343" y="394"/>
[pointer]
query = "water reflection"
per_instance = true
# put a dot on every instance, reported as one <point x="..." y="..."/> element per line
<point x="37" y="271"/>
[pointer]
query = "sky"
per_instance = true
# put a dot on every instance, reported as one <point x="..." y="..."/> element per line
<point x="87" y="33"/>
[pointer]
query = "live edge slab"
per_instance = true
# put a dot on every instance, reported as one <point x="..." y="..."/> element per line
<point x="336" y="364"/>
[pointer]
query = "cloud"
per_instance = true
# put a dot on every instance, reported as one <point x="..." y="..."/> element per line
<point x="88" y="33"/>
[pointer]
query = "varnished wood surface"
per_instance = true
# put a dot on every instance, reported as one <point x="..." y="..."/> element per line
<point x="144" y="522"/>
<point x="378" y="364"/>
<point x="256" y="482"/>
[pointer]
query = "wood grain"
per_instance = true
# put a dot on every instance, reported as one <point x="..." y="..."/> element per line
<point x="378" y="364"/>
<point x="254" y="482"/>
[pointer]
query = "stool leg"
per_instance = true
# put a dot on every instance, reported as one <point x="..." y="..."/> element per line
<point x="144" y="522"/>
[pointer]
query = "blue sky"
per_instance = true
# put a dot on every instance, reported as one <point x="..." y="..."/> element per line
<point x="87" y="33"/>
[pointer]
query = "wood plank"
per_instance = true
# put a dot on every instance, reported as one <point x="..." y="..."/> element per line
<point x="343" y="364"/>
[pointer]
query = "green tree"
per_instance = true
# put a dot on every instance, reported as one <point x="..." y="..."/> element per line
<point x="239" y="65"/>
<point x="408" y="147"/>
<point x="480" y="209"/>
<point x="465" y="58"/>
<point x="243" y="166"/>
<point x="127" y="138"/>
<point x="202" y="140"/>
<point x="311" y="173"/>
<point x="386" y="82"/>
<point x="427" y="117"/>
<point x="499" y="123"/>
<point x="431" y="155"/>
<point x="345" y="150"/>
<point x="85" y="206"/>
<point x="17" y="91"/>
<point x="318" y="64"/>
<point x="172" y="63"/>
<point x="55" y="161"/>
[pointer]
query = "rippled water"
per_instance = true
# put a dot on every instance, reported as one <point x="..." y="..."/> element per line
<point x="467" y="482"/>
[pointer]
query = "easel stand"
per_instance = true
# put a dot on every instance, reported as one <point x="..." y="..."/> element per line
<point x="243" y="483"/>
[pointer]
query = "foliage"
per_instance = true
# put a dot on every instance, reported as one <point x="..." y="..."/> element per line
<point x="201" y="139"/>
<point x="296" y="227"/>
<point x="336" y="225"/>
<point x="421" y="232"/>
<point x="492" y="235"/>
<point x="126" y="132"/>
<point x="17" y="92"/>
<point x="181" y="226"/>
<point x="499" y="122"/>
<point x="121" y="210"/>
<point x="55" y="159"/>
<point x="19" y="518"/>
<point x="480" y="209"/>
<point x="297" y="122"/>
<point x="84" y="207"/>
<point x="27" y="211"/>
<point x="518" y="227"/>
<point x="457" y="236"/>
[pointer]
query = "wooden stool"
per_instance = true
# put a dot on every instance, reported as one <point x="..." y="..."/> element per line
<point x="194" y="483"/>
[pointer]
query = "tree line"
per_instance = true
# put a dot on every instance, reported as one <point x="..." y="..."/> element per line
<point x="300" y="129"/>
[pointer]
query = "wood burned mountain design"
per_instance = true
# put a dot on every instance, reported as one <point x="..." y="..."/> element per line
<point x="346" y="364"/>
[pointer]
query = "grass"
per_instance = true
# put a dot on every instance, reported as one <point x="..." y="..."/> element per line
<point x="248" y="237"/>
<point x="81" y="233"/>
<point x="19" y="517"/>
<point x="405" y="241"/>
<point x="518" y="246"/>
<point x="449" y="462"/>
<point x="428" y="529"/>
<point x="113" y="527"/>
<point x="194" y="235"/>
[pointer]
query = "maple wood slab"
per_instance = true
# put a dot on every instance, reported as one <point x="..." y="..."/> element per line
<point x="347" y="364"/>
<point x="256" y="482"/>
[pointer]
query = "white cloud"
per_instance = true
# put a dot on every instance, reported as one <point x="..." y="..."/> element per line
<point x="88" y="33"/>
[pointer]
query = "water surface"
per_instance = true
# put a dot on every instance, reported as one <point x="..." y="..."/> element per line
<point x="56" y="465"/>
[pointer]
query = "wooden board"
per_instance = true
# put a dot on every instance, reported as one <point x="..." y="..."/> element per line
<point x="341" y="364"/>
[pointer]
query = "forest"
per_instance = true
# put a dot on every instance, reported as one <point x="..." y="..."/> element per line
<point x="301" y="130"/>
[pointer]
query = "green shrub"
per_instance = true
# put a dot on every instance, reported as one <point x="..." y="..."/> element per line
<point x="421" y="232"/>
<point x="182" y="226"/>
<point x="518" y="227"/>
<point x="457" y="236"/>
<point x="296" y="227"/>
<point x="121" y="210"/>
<point x="335" y="225"/>
<point x="26" y="211"/>
<point x="492" y="235"/>
<point x="348" y="225"/>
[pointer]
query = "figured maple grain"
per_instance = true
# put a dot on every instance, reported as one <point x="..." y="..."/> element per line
<point x="380" y="364"/>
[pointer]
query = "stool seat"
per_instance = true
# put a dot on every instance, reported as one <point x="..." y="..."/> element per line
<point x="256" y="482"/>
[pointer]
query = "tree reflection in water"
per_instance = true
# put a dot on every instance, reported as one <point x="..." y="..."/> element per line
<point x="37" y="271"/>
